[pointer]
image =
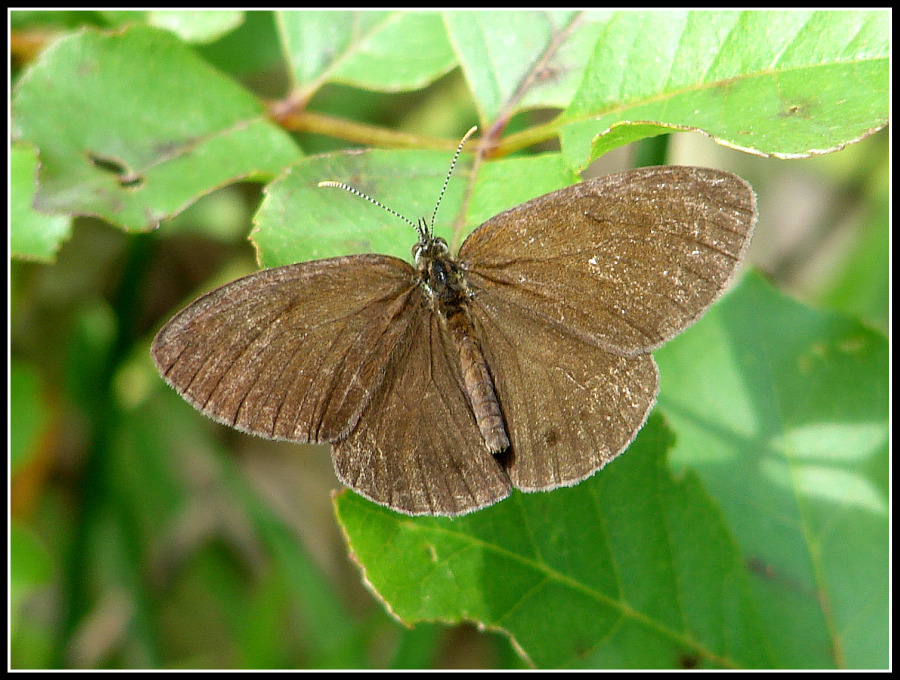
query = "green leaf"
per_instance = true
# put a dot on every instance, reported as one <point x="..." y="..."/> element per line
<point x="43" y="19"/>
<point x="630" y="569"/>
<point x="509" y="182"/>
<point x="521" y="60"/>
<point x="785" y="84"/>
<point x="298" y="220"/>
<point x="32" y="235"/>
<point x="382" y="51"/>
<point x="134" y="127"/>
<point x="196" y="26"/>
<point x="783" y="412"/>
<point x="251" y="48"/>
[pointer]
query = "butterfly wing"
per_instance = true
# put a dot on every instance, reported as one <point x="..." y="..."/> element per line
<point x="572" y="289"/>
<point x="625" y="261"/>
<point x="418" y="448"/>
<point x="569" y="406"/>
<point x="294" y="352"/>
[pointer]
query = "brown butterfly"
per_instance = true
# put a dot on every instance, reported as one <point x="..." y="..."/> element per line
<point x="523" y="362"/>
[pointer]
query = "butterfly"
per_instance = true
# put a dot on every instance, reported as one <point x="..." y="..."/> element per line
<point x="522" y="361"/>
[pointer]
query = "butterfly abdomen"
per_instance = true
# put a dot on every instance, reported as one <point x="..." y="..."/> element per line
<point x="478" y="382"/>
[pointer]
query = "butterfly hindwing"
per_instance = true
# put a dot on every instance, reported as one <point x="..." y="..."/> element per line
<point x="418" y="448"/>
<point x="569" y="406"/>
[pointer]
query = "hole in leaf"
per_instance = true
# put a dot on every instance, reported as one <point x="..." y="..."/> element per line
<point x="126" y="177"/>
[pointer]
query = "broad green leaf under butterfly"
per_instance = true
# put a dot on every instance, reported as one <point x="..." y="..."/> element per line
<point x="299" y="221"/>
<point x="511" y="181"/>
<point x="794" y="404"/>
<point x="785" y="84"/>
<point x="173" y="128"/>
<point x="630" y="569"/>
<point x="811" y="530"/>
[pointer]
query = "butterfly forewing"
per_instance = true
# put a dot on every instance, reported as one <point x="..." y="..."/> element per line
<point x="290" y="353"/>
<point x="626" y="261"/>
<point x="418" y="448"/>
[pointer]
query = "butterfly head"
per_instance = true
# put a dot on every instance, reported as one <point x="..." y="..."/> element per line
<point x="428" y="247"/>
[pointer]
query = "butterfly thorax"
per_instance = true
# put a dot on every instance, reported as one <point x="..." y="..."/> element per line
<point x="440" y="277"/>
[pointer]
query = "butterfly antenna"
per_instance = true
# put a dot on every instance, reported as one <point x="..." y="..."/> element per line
<point x="357" y="192"/>
<point x="425" y="231"/>
<point x="450" y="172"/>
